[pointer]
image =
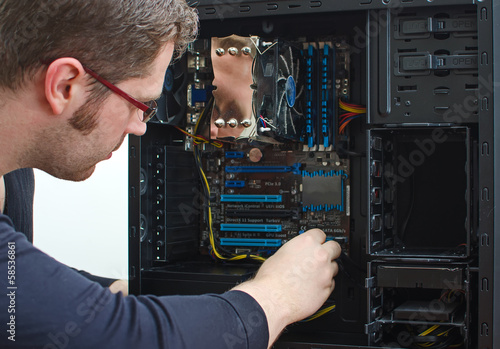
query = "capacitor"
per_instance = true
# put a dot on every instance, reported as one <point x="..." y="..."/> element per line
<point x="255" y="155"/>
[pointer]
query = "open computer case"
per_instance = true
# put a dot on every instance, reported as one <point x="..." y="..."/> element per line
<point x="373" y="120"/>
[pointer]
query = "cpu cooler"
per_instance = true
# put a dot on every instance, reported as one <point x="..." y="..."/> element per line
<point x="278" y="90"/>
<point x="172" y="104"/>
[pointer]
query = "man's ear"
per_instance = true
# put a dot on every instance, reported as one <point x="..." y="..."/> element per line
<point x="64" y="83"/>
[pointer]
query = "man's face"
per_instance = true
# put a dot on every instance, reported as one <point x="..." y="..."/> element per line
<point x="73" y="155"/>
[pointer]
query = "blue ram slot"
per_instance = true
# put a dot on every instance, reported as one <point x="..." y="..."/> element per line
<point x="250" y="198"/>
<point x="251" y="242"/>
<point x="309" y="97"/>
<point x="235" y="155"/>
<point x="334" y="96"/>
<point x="325" y="127"/>
<point x="295" y="169"/>
<point x="235" y="184"/>
<point x="257" y="228"/>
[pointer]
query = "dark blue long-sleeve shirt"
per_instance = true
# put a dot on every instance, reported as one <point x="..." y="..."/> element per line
<point x="48" y="305"/>
<point x="19" y="196"/>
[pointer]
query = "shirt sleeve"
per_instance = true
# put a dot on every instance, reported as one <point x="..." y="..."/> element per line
<point x="103" y="281"/>
<point x="48" y="305"/>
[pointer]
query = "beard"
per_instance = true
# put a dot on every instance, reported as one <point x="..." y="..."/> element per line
<point x="72" y="152"/>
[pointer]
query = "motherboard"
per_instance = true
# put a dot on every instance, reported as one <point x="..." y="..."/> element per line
<point x="272" y="108"/>
<point x="264" y="196"/>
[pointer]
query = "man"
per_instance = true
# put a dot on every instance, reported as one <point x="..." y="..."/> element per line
<point x="58" y="113"/>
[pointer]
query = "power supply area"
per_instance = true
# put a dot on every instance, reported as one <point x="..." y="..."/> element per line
<point x="372" y="120"/>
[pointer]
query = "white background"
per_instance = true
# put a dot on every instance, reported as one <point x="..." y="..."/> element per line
<point x="85" y="224"/>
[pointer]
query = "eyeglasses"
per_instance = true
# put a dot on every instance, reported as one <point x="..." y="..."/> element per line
<point x="149" y="108"/>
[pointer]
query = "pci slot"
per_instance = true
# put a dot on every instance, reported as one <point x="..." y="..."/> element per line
<point x="295" y="169"/>
<point x="254" y="228"/>
<point x="250" y="198"/>
<point x="235" y="184"/>
<point x="235" y="155"/>
<point x="251" y="242"/>
<point x="260" y="213"/>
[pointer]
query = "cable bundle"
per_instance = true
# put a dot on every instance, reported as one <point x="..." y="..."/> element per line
<point x="354" y="111"/>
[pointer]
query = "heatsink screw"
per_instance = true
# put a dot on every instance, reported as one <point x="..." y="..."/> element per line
<point x="246" y="50"/>
<point x="232" y="123"/>
<point x="219" y="123"/>
<point x="246" y="123"/>
<point x="233" y="51"/>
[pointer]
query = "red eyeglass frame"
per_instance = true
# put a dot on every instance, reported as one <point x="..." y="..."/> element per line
<point x="149" y="111"/>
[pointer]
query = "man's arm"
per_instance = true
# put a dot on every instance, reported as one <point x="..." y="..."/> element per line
<point x="53" y="306"/>
<point x="114" y="285"/>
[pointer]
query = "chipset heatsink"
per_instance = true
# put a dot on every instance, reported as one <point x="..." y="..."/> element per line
<point x="323" y="190"/>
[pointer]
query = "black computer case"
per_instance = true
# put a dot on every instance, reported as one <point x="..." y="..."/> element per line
<point x="373" y="120"/>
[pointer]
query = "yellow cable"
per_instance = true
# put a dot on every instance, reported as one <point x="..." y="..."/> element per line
<point x="357" y="110"/>
<point x="211" y="235"/>
<point x="319" y="313"/>
<point x="429" y="330"/>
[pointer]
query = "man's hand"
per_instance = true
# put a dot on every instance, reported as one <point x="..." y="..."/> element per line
<point x="295" y="281"/>
<point x="119" y="286"/>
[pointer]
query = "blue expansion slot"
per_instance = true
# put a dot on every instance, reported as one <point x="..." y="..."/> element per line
<point x="325" y="207"/>
<point x="235" y="184"/>
<point x="325" y="127"/>
<point x="250" y="198"/>
<point x="309" y="97"/>
<point x="257" y="228"/>
<point x="235" y="155"/>
<point x="251" y="242"/>
<point x="295" y="169"/>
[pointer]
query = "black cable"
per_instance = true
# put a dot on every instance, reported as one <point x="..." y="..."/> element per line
<point x="444" y="343"/>
<point x="342" y="152"/>
<point x="341" y="261"/>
